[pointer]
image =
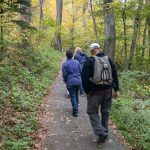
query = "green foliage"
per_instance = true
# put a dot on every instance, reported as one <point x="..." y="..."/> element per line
<point x="25" y="76"/>
<point x="135" y="81"/>
<point x="132" y="110"/>
<point x="12" y="8"/>
<point x="28" y="65"/>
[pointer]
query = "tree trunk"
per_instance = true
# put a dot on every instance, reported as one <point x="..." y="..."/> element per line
<point x="144" y="38"/>
<point x="110" y="33"/>
<point x="149" y="36"/>
<point x="26" y="14"/>
<point x="57" y="38"/>
<point x="125" y="36"/>
<point x="134" y="36"/>
<point x="41" y="12"/>
<point x="27" y="17"/>
<point x="72" y="38"/>
<point x="1" y="32"/>
<point x="72" y="27"/>
<point x="148" y="22"/>
<point x="94" y="22"/>
<point x="85" y="5"/>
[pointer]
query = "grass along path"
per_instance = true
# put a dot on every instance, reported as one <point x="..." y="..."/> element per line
<point x="23" y="83"/>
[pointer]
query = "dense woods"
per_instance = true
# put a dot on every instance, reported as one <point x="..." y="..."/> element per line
<point x="121" y="27"/>
<point x="34" y="33"/>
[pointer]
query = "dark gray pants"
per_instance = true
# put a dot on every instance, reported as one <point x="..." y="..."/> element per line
<point x="97" y="104"/>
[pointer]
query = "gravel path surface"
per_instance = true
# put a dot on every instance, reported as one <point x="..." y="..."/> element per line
<point x="69" y="133"/>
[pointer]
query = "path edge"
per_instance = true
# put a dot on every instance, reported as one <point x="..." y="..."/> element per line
<point x="42" y="116"/>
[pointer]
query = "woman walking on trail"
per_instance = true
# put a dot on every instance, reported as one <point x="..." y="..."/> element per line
<point x="71" y="73"/>
<point x="81" y="57"/>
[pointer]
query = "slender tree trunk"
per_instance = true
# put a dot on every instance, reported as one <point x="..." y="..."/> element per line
<point x="57" y="38"/>
<point x="125" y="36"/>
<point x="72" y="27"/>
<point x="149" y="36"/>
<point x="85" y="5"/>
<point x="72" y="38"/>
<point x="110" y="32"/>
<point x="41" y="12"/>
<point x="148" y="22"/>
<point x="27" y="17"/>
<point x="1" y="32"/>
<point x="94" y="22"/>
<point x="144" y="38"/>
<point x="135" y="33"/>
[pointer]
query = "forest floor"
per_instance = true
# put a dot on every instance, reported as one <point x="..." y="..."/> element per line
<point x="65" y="132"/>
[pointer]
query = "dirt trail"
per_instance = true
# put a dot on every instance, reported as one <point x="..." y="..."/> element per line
<point x="68" y="133"/>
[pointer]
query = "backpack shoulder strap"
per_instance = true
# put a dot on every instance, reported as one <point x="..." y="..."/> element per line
<point x="100" y="59"/>
<point x="106" y="56"/>
<point x="97" y="59"/>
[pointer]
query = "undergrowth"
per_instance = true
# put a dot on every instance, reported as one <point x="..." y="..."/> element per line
<point x="24" y="77"/>
<point x="131" y="112"/>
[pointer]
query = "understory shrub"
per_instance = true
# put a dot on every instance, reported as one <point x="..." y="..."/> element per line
<point x="131" y="112"/>
<point x="24" y="77"/>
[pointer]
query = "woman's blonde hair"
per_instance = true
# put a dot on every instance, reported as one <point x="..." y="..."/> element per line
<point x="77" y="49"/>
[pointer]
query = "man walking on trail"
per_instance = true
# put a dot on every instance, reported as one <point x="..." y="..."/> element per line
<point x="71" y="72"/>
<point x="99" y="77"/>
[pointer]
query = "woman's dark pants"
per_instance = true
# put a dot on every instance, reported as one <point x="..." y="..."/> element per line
<point x="73" y="90"/>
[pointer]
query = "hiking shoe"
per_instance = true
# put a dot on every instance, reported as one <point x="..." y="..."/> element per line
<point x="75" y="115"/>
<point x="106" y="131"/>
<point x="102" y="138"/>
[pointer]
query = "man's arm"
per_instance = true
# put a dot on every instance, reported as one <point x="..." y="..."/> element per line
<point x="115" y="79"/>
<point x="75" y="57"/>
<point x="64" y="73"/>
<point x="114" y="75"/>
<point x="86" y="74"/>
<point x="79" y="67"/>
